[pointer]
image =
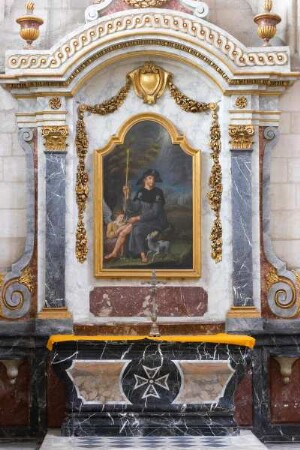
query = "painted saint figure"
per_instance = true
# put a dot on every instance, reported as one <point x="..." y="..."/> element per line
<point x="147" y="214"/>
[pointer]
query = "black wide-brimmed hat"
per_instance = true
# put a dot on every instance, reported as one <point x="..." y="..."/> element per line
<point x="152" y="172"/>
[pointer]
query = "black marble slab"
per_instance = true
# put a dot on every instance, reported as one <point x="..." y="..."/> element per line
<point x="146" y="413"/>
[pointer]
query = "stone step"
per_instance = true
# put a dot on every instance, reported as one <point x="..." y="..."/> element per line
<point x="245" y="441"/>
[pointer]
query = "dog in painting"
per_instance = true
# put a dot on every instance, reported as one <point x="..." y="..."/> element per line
<point x="156" y="247"/>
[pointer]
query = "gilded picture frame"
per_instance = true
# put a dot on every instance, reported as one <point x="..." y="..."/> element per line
<point x="147" y="200"/>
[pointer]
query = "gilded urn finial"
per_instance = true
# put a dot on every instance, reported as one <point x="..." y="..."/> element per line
<point x="30" y="25"/>
<point x="267" y="23"/>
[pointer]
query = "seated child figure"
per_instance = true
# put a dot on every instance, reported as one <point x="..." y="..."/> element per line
<point x="119" y="229"/>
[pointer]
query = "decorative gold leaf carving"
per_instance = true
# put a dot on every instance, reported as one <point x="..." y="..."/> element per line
<point x="146" y="3"/>
<point x="287" y="294"/>
<point x="1" y="279"/>
<point x="242" y="136"/>
<point x="215" y="184"/>
<point x="297" y="275"/>
<point x="28" y="278"/>
<point x="215" y="180"/>
<point x="271" y="277"/>
<point x="149" y="82"/>
<point x="55" y="138"/>
<point x="82" y="179"/>
<point x="186" y="103"/>
<point x="241" y="102"/>
<point x="55" y="103"/>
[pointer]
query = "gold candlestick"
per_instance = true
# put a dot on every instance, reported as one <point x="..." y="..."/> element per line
<point x="267" y="23"/>
<point x="30" y="26"/>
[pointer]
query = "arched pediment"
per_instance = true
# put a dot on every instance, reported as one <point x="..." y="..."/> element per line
<point x="148" y="32"/>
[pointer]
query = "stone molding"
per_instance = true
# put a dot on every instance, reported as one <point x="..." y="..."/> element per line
<point x="174" y="23"/>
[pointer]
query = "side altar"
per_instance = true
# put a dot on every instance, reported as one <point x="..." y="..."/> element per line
<point x="139" y="386"/>
<point x="148" y="134"/>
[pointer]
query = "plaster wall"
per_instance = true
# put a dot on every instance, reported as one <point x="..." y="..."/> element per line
<point x="285" y="182"/>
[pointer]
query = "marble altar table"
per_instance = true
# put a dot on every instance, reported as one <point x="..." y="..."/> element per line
<point x="142" y="386"/>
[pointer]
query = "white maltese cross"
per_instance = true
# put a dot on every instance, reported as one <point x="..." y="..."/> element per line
<point x="151" y="381"/>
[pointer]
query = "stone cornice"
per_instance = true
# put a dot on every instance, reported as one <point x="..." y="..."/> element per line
<point x="229" y="62"/>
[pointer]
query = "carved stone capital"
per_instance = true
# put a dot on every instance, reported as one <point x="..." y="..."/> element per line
<point x="55" y="138"/>
<point x="241" y="137"/>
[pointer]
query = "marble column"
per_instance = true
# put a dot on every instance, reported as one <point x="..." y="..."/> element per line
<point x="241" y="168"/>
<point x="55" y="149"/>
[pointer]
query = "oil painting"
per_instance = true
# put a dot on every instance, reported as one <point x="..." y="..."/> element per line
<point x="147" y="202"/>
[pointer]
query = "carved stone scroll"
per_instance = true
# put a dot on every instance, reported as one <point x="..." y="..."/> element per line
<point x="283" y="286"/>
<point x="19" y="284"/>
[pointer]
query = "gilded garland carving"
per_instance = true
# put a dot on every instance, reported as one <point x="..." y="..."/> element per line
<point x="215" y="180"/>
<point x="186" y="103"/>
<point x="150" y="91"/>
<point x="233" y="50"/>
<point x="242" y="136"/>
<point x="82" y="178"/>
<point x="215" y="183"/>
<point x="55" y="138"/>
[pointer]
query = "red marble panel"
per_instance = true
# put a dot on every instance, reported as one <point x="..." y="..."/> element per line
<point x="56" y="400"/>
<point x="130" y="301"/>
<point x="243" y="402"/>
<point x="285" y="398"/>
<point x="15" y="398"/>
<point x="143" y="330"/>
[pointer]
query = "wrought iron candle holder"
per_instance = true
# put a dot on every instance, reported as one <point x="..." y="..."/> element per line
<point x="30" y="26"/>
<point x="267" y="23"/>
<point x="154" y="286"/>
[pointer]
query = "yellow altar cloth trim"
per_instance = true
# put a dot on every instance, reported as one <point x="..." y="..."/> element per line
<point x="221" y="338"/>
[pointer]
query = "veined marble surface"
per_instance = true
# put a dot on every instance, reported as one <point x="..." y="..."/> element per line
<point x="246" y="441"/>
